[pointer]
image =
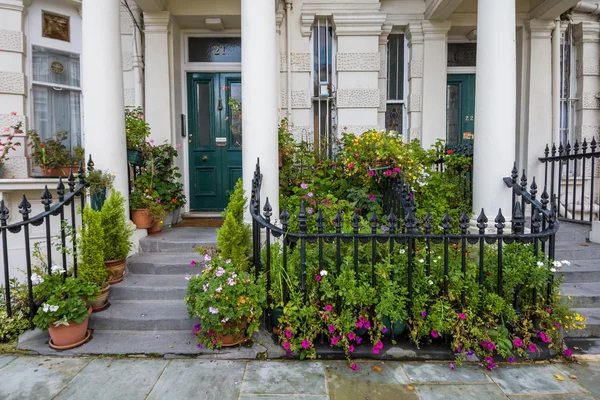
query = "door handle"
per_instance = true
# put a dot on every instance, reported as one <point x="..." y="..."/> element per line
<point x="204" y="158"/>
<point x="183" y="125"/>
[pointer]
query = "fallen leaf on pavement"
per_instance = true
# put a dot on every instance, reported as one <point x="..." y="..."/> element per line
<point x="573" y="376"/>
<point x="377" y="368"/>
<point x="559" y="377"/>
<point x="409" y="387"/>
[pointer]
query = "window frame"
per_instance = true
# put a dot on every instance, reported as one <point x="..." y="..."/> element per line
<point x="405" y="82"/>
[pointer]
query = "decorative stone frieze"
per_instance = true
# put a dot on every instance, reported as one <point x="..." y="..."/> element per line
<point x="127" y="61"/>
<point x="302" y="133"/>
<point x="300" y="62"/>
<point x="126" y="24"/>
<point x="8" y="120"/>
<point x="414" y="133"/>
<point x="382" y="102"/>
<point x="591" y="101"/>
<point x="12" y="41"/>
<point x="358" y="98"/>
<point x="588" y="132"/>
<point x="588" y="67"/>
<point x="414" y="102"/>
<point x="383" y="67"/>
<point x="415" y="69"/>
<point x="358" y="129"/>
<point x="358" y="62"/>
<point x="12" y="83"/>
<point x="16" y="167"/>
<point x="129" y="97"/>
<point x="300" y="99"/>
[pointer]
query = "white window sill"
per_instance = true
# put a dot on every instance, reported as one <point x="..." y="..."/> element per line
<point x="29" y="184"/>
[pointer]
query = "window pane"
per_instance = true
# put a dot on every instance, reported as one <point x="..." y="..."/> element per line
<point x="393" y="117"/>
<point x="452" y="114"/>
<point x="215" y="49"/>
<point x="203" y="136"/>
<point x="55" y="111"/>
<point x="395" y="73"/>
<point x="54" y="67"/>
<point x="462" y="54"/>
<point x="236" y="121"/>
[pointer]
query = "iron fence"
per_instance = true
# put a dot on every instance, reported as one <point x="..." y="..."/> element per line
<point x="570" y="172"/>
<point x="406" y="232"/>
<point x="62" y="209"/>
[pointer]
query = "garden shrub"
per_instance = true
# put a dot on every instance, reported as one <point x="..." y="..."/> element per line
<point x="234" y="237"/>
<point x="11" y="327"/>
<point x="91" y="247"/>
<point x="116" y="228"/>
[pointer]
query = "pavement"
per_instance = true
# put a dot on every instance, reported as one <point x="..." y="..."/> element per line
<point x="38" y="377"/>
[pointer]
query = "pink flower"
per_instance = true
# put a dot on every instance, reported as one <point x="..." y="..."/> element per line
<point x="6" y="129"/>
<point x="424" y="314"/>
<point x="435" y="334"/>
<point x="351" y="349"/>
<point x="568" y="352"/>
<point x="452" y="366"/>
<point x="397" y="169"/>
<point x="489" y="359"/>
<point x="532" y="347"/>
<point x="305" y="344"/>
<point x="491" y="346"/>
<point x="544" y="338"/>
<point x="458" y="349"/>
<point x="13" y="113"/>
<point x="371" y="173"/>
<point x="462" y="316"/>
<point x="358" y="340"/>
<point x="350" y="166"/>
<point x="357" y="155"/>
<point x="286" y="345"/>
<point x="331" y="328"/>
<point x="196" y="328"/>
<point x="549" y="311"/>
<point x="310" y="194"/>
<point x="366" y="324"/>
<point x="334" y="340"/>
<point x="379" y="345"/>
<point x="226" y="118"/>
<point x="359" y="324"/>
<point x="304" y="186"/>
<point x="351" y="336"/>
<point x="375" y="350"/>
<point x="178" y="146"/>
<point x="354" y="367"/>
<point x="518" y="342"/>
<point x="371" y="197"/>
<point x="193" y="262"/>
<point x="310" y="211"/>
<point x="329" y="308"/>
<point x="288" y="334"/>
<point x="388" y="172"/>
<point x="317" y="277"/>
<point x="556" y="324"/>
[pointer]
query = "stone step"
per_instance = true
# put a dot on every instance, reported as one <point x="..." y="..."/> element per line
<point x="149" y="287"/>
<point x="180" y="239"/>
<point x="143" y="315"/>
<point x="581" y="271"/>
<point x="571" y="232"/>
<point x="577" y="251"/>
<point x="163" y="263"/>
<point x="583" y="295"/>
<point x="592" y="325"/>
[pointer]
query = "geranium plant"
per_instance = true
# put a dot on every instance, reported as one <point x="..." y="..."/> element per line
<point x="226" y="300"/>
<point x="137" y="129"/>
<point x="52" y="152"/>
<point x="8" y="144"/>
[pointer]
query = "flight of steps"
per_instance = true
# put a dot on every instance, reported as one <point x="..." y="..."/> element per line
<point x="582" y="278"/>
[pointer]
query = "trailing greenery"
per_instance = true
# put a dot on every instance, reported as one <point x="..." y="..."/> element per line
<point x="116" y="228"/>
<point x="91" y="247"/>
<point x="99" y="181"/>
<point x="11" y="327"/>
<point x="136" y="129"/>
<point x="234" y="237"/>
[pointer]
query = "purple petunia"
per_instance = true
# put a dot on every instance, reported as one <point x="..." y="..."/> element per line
<point x="358" y="340"/>
<point x="511" y="359"/>
<point x="384" y="329"/>
<point x="435" y="334"/>
<point x="305" y="344"/>
<point x="351" y="336"/>
<point x="568" y="352"/>
<point x="329" y="308"/>
<point x="354" y="367"/>
<point x="532" y="347"/>
<point x="452" y="366"/>
<point x="288" y="333"/>
<point x="331" y="328"/>
<point x="424" y="314"/>
<point x="518" y="342"/>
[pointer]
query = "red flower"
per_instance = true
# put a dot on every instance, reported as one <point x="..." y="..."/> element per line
<point x="174" y="201"/>
<point x="449" y="152"/>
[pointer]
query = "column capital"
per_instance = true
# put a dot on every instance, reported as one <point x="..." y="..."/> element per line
<point x="14" y="5"/>
<point x="436" y="30"/>
<point x="386" y="29"/>
<point x="157" y="21"/>
<point x="539" y="29"/>
<point x="414" y="34"/>
<point x="307" y="21"/>
<point x="586" y="32"/>
<point x="358" y="25"/>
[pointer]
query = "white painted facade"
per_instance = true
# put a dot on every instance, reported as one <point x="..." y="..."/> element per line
<point x="517" y="74"/>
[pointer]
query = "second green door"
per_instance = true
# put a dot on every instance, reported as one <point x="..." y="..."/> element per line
<point x="460" y="109"/>
<point x="214" y="139"/>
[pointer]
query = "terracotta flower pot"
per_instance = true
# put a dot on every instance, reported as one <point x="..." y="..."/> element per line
<point x="156" y="227"/>
<point x="141" y="218"/>
<point x="69" y="336"/>
<point x="100" y="301"/>
<point x="59" y="171"/>
<point x="234" y="339"/>
<point x="115" y="269"/>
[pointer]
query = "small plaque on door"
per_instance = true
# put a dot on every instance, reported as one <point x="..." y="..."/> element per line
<point x="221" y="141"/>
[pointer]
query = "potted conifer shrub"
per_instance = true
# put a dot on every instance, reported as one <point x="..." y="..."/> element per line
<point x="117" y="236"/>
<point x="234" y="237"/>
<point x="91" y="256"/>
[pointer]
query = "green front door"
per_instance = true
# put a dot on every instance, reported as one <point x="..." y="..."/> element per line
<point x="214" y="150"/>
<point x="460" y="109"/>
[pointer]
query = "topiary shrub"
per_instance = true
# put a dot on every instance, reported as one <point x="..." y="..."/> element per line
<point x="90" y="246"/>
<point x="116" y="229"/>
<point x="234" y="237"/>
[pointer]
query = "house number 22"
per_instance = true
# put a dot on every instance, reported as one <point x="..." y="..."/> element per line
<point x="469" y="118"/>
<point x="219" y="50"/>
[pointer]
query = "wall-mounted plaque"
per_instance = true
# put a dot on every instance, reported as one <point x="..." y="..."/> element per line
<point x="56" y="26"/>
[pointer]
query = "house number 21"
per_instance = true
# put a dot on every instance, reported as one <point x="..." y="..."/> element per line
<point x="219" y="50"/>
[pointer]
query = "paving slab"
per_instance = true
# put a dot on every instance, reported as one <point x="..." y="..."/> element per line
<point x="5" y="360"/>
<point x="588" y="375"/>
<point x="367" y="383"/>
<point x="460" y="392"/>
<point x="570" y="396"/>
<point x="33" y="378"/>
<point x="188" y="379"/>
<point x="114" y="379"/>
<point x="283" y="397"/>
<point x="532" y="379"/>
<point x="294" y="377"/>
<point x="442" y="373"/>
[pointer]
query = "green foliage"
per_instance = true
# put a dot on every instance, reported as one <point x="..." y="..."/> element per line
<point x="136" y="129"/>
<point x="9" y="145"/>
<point x="227" y="301"/>
<point x="91" y="248"/>
<point x="63" y="299"/>
<point x="11" y="327"/>
<point x="234" y="237"/>
<point x="98" y="181"/>
<point x="116" y="228"/>
<point x="52" y="152"/>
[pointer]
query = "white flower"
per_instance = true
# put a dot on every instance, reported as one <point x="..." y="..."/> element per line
<point x="540" y="264"/>
<point x="552" y="269"/>
<point x="53" y="308"/>
<point x="207" y="257"/>
<point x="230" y="281"/>
<point x="224" y="320"/>
<point x="421" y="260"/>
<point x="557" y="264"/>
<point x="205" y="287"/>
<point x="401" y="251"/>
<point x="36" y="279"/>
<point x="566" y="262"/>
<point x="228" y="261"/>
<point x="46" y="307"/>
<point x="187" y="277"/>
<point x="57" y="268"/>
<point x="323" y="273"/>
<point x="220" y="271"/>
<point x="435" y="261"/>
<point x="218" y="290"/>
<point x="213" y="310"/>
<point x="430" y="282"/>
<point x="233" y="275"/>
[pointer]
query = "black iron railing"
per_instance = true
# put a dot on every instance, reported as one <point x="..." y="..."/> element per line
<point x="466" y="175"/>
<point x="405" y="233"/>
<point x="60" y="212"/>
<point x="567" y="172"/>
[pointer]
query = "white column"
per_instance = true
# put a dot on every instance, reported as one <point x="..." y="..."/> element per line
<point x="103" y="104"/>
<point x="435" y="80"/>
<point x="414" y="36"/>
<point x="259" y="98"/>
<point x="495" y="106"/>
<point x="382" y="82"/>
<point x="158" y="75"/>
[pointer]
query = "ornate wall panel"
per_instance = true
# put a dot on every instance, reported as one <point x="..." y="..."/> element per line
<point x="300" y="62"/>
<point x="357" y="129"/>
<point x="358" y="98"/>
<point x="12" y="83"/>
<point x="127" y="61"/>
<point x="358" y="61"/>
<point x="11" y="41"/>
<point x="129" y="97"/>
<point x="415" y="69"/>
<point x="414" y="102"/>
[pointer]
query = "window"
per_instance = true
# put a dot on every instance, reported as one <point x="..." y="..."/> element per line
<point x="568" y="87"/>
<point x="395" y="107"/>
<point x="323" y="87"/>
<point x="57" y="95"/>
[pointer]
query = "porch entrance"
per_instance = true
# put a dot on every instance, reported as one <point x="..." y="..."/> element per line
<point x="460" y="109"/>
<point x="214" y="138"/>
